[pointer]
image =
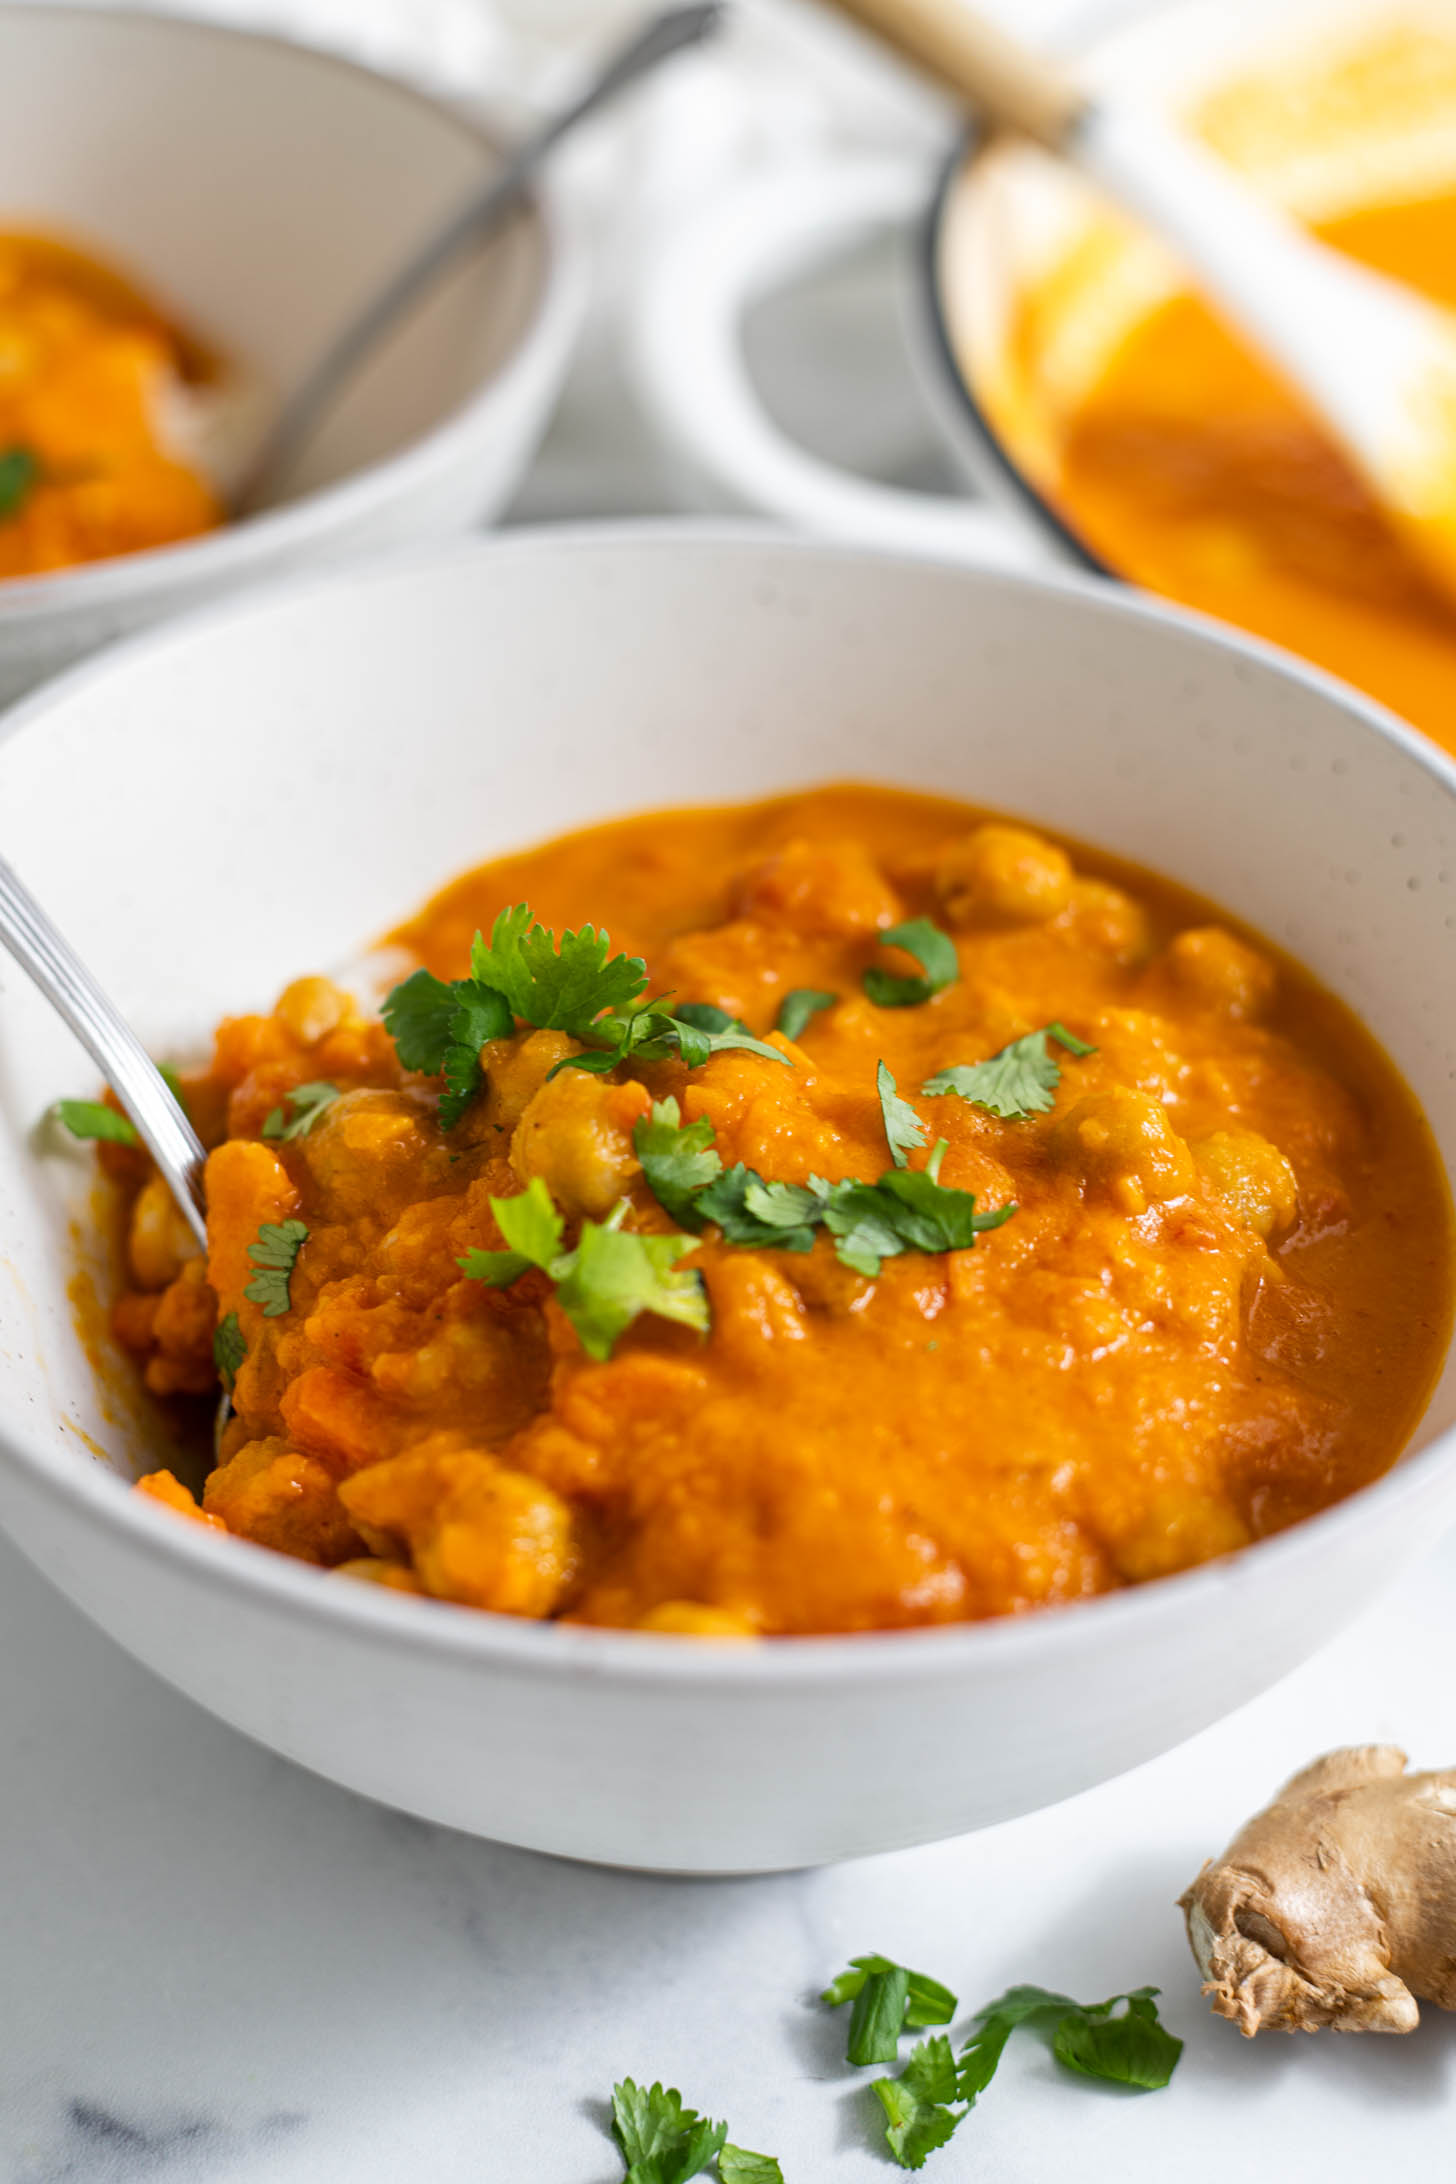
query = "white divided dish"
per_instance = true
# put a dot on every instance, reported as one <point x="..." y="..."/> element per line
<point x="260" y="193"/>
<point x="261" y="791"/>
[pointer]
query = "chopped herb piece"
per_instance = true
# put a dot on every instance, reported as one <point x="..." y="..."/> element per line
<point x="932" y="949"/>
<point x="19" y="476"/>
<point x="228" y="1350"/>
<point x="1019" y="1081"/>
<point x="533" y="1231"/>
<point x="695" y="1042"/>
<point x="904" y="1212"/>
<point x="440" y="1030"/>
<point x="704" y="1016"/>
<point x="678" y="1160"/>
<point x="878" y="2017"/>
<point x="274" y="1256"/>
<point x="904" y="1130"/>
<point x="1131" y="2049"/>
<point x="88" y="1119"/>
<point x="918" y="2115"/>
<point x="926" y="2001"/>
<point x="662" y="2142"/>
<point x="798" y="1009"/>
<point x="760" y="1215"/>
<point x="612" y="1277"/>
<point x="616" y="1275"/>
<point x="301" y="1109"/>
<point x="558" y="987"/>
<point x="737" y="2166"/>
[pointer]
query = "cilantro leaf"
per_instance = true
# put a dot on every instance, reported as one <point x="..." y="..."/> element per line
<point x="558" y="987"/>
<point x="878" y="2017"/>
<point x="173" y="1083"/>
<point x="19" y="476"/>
<point x="798" y="1009"/>
<point x="274" y="1256"/>
<point x="737" y="2166"/>
<point x="301" y="1109"/>
<point x="1132" y="2049"/>
<point x="695" y="1042"/>
<point x="616" y="1275"/>
<point x="1019" y="1081"/>
<point x="929" y="1216"/>
<point x="932" y="949"/>
<point x="928" y="2002"/>
<point x="707" y="1016"/>
<point x="662" y="2141"/>
<point x="533" y="1231"/>
<point x="93" y="1119"/>
<point x="229" y="1349"/>
<point x="678" y="1160"/>
<point x="612" y="1277"/>
<point x="904" y="1130"/>
<point x="760" y="1215"/>
<point x="914" y="2126"/>
<point x="417" y="1017"/>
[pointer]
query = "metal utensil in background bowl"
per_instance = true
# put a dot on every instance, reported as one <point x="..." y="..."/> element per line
<point x="408" y="720"/>
<point x="985" y="222"/>
<point x="260" y="191"/>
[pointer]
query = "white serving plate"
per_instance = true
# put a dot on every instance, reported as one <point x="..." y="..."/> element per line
<point x="261" y="191"/>
<point x="368" y="736"/>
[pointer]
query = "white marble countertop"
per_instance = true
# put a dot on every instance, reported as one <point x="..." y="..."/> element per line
<point x="215" y="1967"/>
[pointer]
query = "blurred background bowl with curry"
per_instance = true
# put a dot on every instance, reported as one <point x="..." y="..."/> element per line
<point x="1107" y="416"/>
<point x="188" y="213"/>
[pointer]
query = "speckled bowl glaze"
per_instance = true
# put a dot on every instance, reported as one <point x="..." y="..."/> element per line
<point x="260" y="192"/>
<point x="371" y="736"/>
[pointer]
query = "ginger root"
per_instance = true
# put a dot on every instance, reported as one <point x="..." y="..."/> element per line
<point x="1336" y="1905"/>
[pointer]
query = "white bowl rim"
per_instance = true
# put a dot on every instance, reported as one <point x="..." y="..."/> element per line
<point x="228" y="554"/>
<point x="548" y="1649"/>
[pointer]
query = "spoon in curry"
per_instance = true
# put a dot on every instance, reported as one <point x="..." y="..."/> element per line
<point x="467" y="227"/>
<point x="158" y="1117"/>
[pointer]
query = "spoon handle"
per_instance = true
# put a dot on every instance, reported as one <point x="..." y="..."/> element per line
<point x="110" y="1041"/>
<point x="1003" y="80"/>
<point x="663" y="36"/>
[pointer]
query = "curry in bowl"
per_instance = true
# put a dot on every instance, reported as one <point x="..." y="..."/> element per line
<point x="904" y="1218"/>
<point x="100" y="395"/>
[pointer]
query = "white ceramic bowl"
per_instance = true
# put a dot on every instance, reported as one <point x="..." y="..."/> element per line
<point x="261" y="190"/>
<point x="369" y="737"/>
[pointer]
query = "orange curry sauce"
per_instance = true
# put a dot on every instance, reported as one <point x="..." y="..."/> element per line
<point x="1192" y="470"/>
<point x="85" y="366"/>
<point x="1220" y="1304"/>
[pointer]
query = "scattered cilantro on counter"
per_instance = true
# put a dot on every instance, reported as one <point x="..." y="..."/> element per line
<point x="932" y="949"/>
<point x="798" y="1009"/>
<point x="93" y="1119"/>
<point x="926" y="2102"/>
<point x="300" y="1110"/>
<point x="663" y="2142"/>
<point x="1019" y="1081"/>
<point x="274" y="1256"/>
<point x="228" y="1350"/>
<point x="888" y="1999"/>
<point x="612" y="1277"/>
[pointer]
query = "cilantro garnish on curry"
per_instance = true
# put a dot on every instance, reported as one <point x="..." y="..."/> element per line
<point x="899" y="1219"/>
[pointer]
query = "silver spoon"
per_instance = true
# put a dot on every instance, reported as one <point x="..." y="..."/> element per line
<point x="479" y="217"/>
<point x="63" y="978"/>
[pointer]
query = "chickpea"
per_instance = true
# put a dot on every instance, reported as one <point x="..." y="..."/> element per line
<point x="478" y="1533"/>
<point x="1251" y="1177"/>
<point x="576" y="1134"/>
<point x="819" y="887"/>
<point x="515" y="1070"/>
<point x="159" y="1241"/>
<point x="1121" y="1142"/>
<point x="1107" y="921"/>
<point x="1218" y="972"/>
<point x="311" y="1008"/>
<point x="1002" y="876"/>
